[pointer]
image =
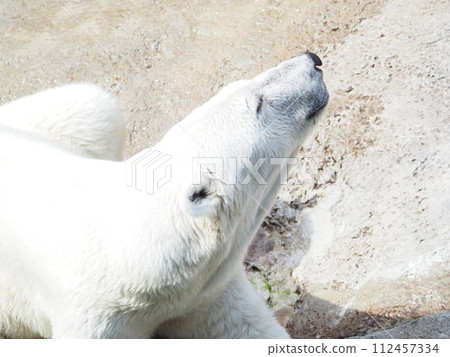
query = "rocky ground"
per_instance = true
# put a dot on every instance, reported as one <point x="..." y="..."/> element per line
<point x="370" y="207"/>
<point x="359" y="238"/>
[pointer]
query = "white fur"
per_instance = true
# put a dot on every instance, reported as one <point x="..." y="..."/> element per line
<point x="83" y="255"/>
<point x="81" y="118"/>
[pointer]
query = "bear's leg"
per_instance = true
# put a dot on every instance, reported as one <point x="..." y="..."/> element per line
<point x="238" y="313"/>
<point x="103" y="324"/>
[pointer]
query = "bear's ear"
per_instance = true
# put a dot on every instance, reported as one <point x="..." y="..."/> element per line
<point x="202" y="200"/>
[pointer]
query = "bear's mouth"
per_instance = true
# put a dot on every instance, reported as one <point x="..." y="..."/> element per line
<point x="317" y="112"/>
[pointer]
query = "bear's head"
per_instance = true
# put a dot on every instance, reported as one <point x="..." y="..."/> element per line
<point x="231" y="154"/>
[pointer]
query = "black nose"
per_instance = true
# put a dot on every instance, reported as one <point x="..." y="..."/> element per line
<point x="317" y="61"/>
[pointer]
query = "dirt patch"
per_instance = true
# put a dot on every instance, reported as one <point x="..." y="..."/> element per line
<point x="372" y="308"/>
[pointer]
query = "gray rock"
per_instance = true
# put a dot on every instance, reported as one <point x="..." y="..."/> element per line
<point x="372" y="193"/>
<point x="430" y="326"/>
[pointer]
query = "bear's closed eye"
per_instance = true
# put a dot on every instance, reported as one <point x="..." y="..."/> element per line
<point x="258" y="108"/>
<point x="198" y="195"/>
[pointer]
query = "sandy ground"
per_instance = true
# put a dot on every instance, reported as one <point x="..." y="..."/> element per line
<point x="162" y="59"/>
<point x="369" y="205"/>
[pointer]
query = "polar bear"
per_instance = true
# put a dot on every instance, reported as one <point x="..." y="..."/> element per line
<point x="81" y="118"/>
<point x="85" y="255"/>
